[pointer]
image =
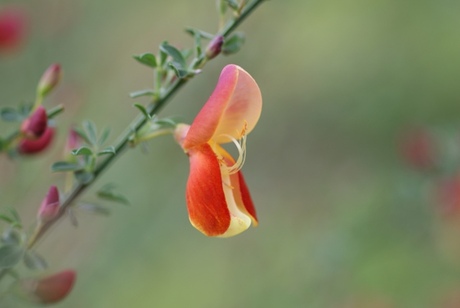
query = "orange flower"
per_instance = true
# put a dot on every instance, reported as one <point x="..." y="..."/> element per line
<point x="218" y="200"/>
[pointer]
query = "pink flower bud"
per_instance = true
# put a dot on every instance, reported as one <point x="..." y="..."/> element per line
<point x="12" y="28"/>
<point x="35" y="125"/>
<point x="49" y="208"/>
<point x="214" y="47"/>
<point x="30" y="147"/>
<point x="47" y="290"/>
<point x="49" y="80"/>
<point x="73" y="142"/>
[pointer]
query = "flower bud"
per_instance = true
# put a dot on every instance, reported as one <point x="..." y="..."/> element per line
<point x="46" y="290"/>
<point x="30" y="147"/>
<point x="12" y="28"/>
<point x="214" y="47"/>
<point x="35" y="125"/>
<point x="49" y="80"/>
<point x="73" y="142"/>
<point x="49" y="208"/>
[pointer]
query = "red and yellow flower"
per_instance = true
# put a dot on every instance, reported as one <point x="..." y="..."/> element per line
<point x="218" y="200"/>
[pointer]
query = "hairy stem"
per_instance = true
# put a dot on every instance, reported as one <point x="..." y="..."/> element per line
<point x="122" y="142"/>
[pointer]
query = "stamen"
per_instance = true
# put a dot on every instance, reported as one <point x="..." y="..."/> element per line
<point x="241" y="147"/>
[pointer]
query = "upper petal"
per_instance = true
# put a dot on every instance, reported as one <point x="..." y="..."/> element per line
<point x="205" y="196"/>
<point x="234" y="106"/>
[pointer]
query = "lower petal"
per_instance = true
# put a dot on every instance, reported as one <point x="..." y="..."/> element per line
<point x="206" y="202"/>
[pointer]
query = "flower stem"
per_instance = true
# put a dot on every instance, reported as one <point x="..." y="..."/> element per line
<point x="122" y="142"/>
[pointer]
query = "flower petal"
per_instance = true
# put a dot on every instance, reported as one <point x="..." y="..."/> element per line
<point x="241" y="193"/>
<point x="234" y="106"/>
<point x="206" y="203"/>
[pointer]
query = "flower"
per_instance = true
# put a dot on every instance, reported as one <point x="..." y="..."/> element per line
<point x="29" y="146"/>
<point x="46" y="290"/>
<point x="35" y="125"/>
<point x="49" y="207"/>
<point x="12" y="28"/>
<point x="218" y="200"/>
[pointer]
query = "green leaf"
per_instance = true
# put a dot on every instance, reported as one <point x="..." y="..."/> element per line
<point x="81" y="133"/>
<point x="6" y="218"/>
<point x="9" y="114"/>
<point x="174" y="53"/>
<point x="34" y="261"/>
<point x="82" y="151"/>
<point x="200" y="33"/>
<point x="10" y="255"/>
<point x="11" y="236"/>
<point x="55" y="111"/>
<point x="95" y="208"/>
<point x="63" y="166"/>
<point x="178" y="70"/>
<point x="107" y="150"/>
<point x="91" y="131"/>
<point x="233" y="4"/>
<point x="15" y="215"/>
<point x="143" y="110"/>
<point x="107" y="193"/>
<point x="233" y="44"/>
<point x="104" y="136"/>
<point x="166" y="122"/>
<point x="84" y="177"/>
<point x="146" y="92"/>
<point x="147" y="59"/>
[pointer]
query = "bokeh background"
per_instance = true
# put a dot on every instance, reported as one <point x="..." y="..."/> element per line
<point x="348" y="205"/>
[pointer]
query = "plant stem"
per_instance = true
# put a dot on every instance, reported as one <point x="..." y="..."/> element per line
<point x="122" y="142"/>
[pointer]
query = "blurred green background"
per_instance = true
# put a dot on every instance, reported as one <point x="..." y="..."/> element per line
<point x="343" y="221"/>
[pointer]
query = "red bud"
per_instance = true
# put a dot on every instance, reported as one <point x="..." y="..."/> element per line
<point x="49" y="80"/>
<point x="50" y="205"/>
<point x="214" y="47"/>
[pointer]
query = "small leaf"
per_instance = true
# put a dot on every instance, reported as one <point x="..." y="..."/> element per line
<point x="82" y="151"/>
<point x="107" y="150"/>
<point x="84" y="177"/>
<point x="9" y="114"/>
<point x="233" y="4"/>
<point x="174" y="53"/>
<point x="55" y="111"/>
<point x="233" y="44"/>
<point x="10" y="255"/>
<point x="6" y="218"/>
<point x="81" y="133"/>
<point x="143" y="110"/>
<point x="91" y="131"/>
<point x="11" y="236"/>
<point x="147" y="59"/>
<point x="104" y="136"/>
<point x="15" y="215"/>
<point x="72" y="217"/>
<point x="107" y="193"/>
<point x="95" y="208"/>
<point x="166" y="122"/>
<point x="179" y="70"/>
<point x="63" y="166"/>
<point x="25" y="110"/>
<point x="200" y="33"/>
<point x="34" y="261"/>
<point x="146" y="92"/>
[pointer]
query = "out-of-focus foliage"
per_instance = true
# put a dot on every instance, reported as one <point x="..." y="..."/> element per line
<point x="344" y="221"/>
